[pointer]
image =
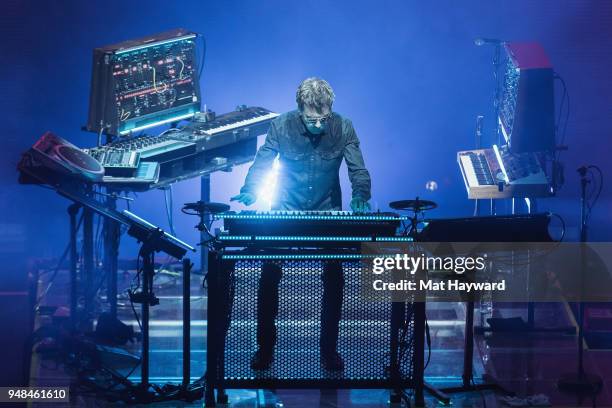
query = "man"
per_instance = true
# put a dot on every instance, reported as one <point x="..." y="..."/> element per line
<point x="311" y="143"/>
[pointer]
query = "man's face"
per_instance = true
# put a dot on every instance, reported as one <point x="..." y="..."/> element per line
<point x="315" y="120"/>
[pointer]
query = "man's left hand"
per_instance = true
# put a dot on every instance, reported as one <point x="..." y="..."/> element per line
<point x="359" y="205"/>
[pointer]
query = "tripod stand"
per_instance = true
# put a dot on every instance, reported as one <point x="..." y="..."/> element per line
<point x="151" y="244"/>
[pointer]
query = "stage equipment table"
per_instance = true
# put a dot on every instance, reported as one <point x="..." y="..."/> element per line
<point x="382" y="343"/>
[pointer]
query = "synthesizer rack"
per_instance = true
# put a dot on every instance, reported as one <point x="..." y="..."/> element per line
<point x="526" y="101"/>
<point x="145" y="82"/>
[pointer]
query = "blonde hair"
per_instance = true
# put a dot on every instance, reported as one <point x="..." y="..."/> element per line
<point x="316" y="93"/>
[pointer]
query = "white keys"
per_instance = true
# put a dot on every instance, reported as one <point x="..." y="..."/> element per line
<point x="241" y="123"/>
<point x="468" y="171"/>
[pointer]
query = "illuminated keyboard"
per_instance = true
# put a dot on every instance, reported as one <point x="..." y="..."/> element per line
<point x="308" y="226"/>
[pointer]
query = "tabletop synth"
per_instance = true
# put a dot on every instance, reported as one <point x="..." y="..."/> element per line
<point x="308" y="228"/>
<point x="498" y="173"/>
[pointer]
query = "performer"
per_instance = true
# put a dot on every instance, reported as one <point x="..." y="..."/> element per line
<point x="311" y="143"/>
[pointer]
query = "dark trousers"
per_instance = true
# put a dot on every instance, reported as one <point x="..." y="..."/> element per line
<point x="331" y="309"/>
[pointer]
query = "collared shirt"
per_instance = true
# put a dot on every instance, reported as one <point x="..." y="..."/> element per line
<point x="309" y="164"/>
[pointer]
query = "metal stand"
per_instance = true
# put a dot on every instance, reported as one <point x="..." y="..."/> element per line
<point x="468" y="363"/>
<point x="205" y="219"/>
<point x="88" y="261"/>
<point x="419" y="360"/>
<point x="153" y="240"/>
<point x="417" y="206"/>
<point x="77" y="317"/>
<point x="398" y="322"/>
<point x="581" y="381"/>
<point x="479" y="121"/>
<point x="74" y="318"/>
<point x="111" y="254"/>
<point x="146" y="298"/>
<point x="111" y="235"/>
<point x="149" y="299"/>
<point x="515" y="325"/>
<point x="186" y="322"/>
<point x="188" y="392"/>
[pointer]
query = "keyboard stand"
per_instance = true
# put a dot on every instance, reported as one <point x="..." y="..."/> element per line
<point x="468" y="384"/>
<point x="517" y="324"/>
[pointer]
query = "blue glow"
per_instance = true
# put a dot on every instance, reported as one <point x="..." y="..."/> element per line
<point x="376" y="111"/>
<point x="309" y="217"/>
<point x="235" y="237"/>
<point x="267" y="191"/>
<point x="156" y="44"/>
<point x="311" y="238"/>
<point x="159" y="122"/>
<point x="395" y="239"/>
<point x="302" y="256"/>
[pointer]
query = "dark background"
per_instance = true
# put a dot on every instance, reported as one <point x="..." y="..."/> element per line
<point x="406" y="72"/>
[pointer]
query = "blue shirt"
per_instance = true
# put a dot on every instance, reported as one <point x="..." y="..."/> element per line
<point x="309" y="164"/>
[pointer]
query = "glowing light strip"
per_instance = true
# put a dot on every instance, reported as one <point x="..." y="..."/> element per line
<point x="395" y="239"/>
<point x="304" y="256"/>
<point x="309" y="217"/>
<point x="161" y="122"/>
<point x="176" y="379"/>
<point x="155" y="44"/>
<point x="306" y="238"/>
<point x="310" y="238"/>
<point x="235" y="237"/>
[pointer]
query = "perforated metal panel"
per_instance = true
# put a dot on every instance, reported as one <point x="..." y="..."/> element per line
<point x="364" y="333"/>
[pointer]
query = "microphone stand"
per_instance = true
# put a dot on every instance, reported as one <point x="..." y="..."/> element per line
<point x="580" y="381"/>
<point x="479" y="120"/>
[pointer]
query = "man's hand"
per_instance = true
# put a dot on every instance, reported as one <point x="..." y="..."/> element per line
<point x="359" y="205"/>
<point x="244" y="198"/>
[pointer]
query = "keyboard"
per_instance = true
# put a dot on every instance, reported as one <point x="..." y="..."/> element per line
<point x="225" y="129"/>
<point x="497" y="173"/>
<point x="192" y="150"/>
<point x="477" y="169"/>
<point x="287" y="227"/>
<point x="234" y="120"/>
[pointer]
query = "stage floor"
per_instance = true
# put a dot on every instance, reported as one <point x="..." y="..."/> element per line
<point x="527" y="364"/>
